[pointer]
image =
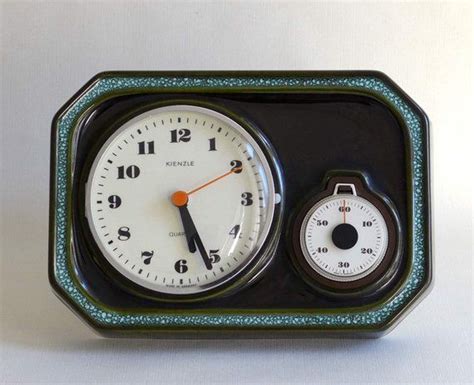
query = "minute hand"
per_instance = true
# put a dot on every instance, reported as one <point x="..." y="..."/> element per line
<point x="192" y="236"/>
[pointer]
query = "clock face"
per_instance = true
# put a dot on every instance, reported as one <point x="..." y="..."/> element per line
<point x="344" y="237"/>
<point x="180" y="199"/>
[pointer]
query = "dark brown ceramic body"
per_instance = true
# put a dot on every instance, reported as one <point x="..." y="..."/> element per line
<point x="304" y="126"/>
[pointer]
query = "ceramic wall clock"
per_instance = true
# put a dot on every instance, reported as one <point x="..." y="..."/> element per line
<point x="240" y="204"/>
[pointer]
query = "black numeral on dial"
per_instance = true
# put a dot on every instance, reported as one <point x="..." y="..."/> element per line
<point x="235" y="231"/>
<point x="181" y="266"/>
<point x="146" y="148"/>
<point x="213" y="256"/>
<point x="130" y="172"/>
<point x="212" y="144"/>
<point x="182" y="135"/>
<point x="343" y="264"/>
<point x="236" y="164"/>
<point x="147" y="256"/>
<point x="123" y="233"/>
<point x="115" y="201"/>
<point x="246" y="199"/>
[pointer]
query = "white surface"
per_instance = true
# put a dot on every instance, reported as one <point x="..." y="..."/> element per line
<point x="357" y="261"/>
<point x="49" y="50"/>
<point x="146" y="204"/>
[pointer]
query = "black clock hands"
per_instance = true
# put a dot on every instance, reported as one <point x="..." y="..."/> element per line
<point x="180" y="200"/>
<point x="189" y="228"/>
<point x="192" y="236"/>
<point x="202" y="250"/>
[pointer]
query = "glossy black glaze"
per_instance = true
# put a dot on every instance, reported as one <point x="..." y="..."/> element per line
<point x="344" y="236"/>
<point x="312" y="134"/>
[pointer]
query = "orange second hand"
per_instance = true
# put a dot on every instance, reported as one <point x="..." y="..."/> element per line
<point x="214" y="180"/>
<point x="344" y="210"/>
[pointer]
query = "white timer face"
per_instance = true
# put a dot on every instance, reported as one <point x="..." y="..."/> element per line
<point x="180" y="199"/>
<point x="344" y="237"/>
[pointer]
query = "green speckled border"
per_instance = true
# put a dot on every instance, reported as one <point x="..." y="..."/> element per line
<point x="106" y="85"/>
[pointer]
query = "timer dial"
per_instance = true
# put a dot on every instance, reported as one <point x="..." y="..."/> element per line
<point x="346" y="238"/>
<point x="180" y="200"/>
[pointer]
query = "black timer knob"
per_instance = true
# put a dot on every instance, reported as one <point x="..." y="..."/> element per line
<point x="344" y="236"/>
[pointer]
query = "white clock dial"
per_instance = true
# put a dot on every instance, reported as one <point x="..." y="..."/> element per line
<point x="180" y="199"/>
<point x="344" y="237"/>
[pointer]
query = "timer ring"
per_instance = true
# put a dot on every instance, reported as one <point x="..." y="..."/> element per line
<point x="346" y="240"/>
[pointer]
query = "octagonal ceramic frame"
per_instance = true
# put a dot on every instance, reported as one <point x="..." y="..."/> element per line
<point x="372" y="320"/>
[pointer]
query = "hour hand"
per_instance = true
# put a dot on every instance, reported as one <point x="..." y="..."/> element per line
<point x="188" y="226"/>
<point x="180" y="200"/>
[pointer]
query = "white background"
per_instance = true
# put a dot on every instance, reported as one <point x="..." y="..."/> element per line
<point x="50" y="49"/>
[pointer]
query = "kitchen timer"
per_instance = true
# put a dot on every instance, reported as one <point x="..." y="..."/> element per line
<point x="241" y="204"/>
